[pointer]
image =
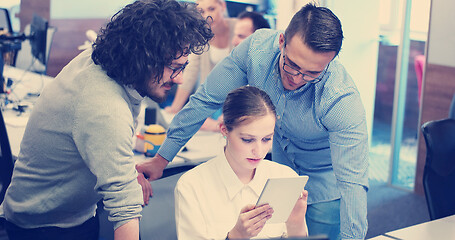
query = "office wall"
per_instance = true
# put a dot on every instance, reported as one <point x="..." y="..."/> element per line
<point x="85" y="9"/>
<point x="30" y="7"/>
<point x="72" y="19"/>
<point x="439" y="74"/>
<point x="359" y="53"/>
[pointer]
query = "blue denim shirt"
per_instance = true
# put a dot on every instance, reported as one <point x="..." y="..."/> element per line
<point x="320" y="130"/>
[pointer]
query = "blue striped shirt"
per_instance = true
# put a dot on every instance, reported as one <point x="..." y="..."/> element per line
<point x="320" y="130"/>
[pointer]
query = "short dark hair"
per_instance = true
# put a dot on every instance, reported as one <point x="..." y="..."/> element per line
<point x="244" y="103"/>
<point x="145" y="36"/>
<point x="258" y="20"/>
<point x="318" y="27"/>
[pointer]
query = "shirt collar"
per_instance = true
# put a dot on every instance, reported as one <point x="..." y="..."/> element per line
<point x="232" y="183"/>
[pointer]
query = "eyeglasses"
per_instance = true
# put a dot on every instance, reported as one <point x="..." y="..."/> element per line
<point x="176" y="71"/>
<point x="307" y="78"/>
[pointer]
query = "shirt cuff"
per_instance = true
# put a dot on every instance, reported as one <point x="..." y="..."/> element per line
<point x="168" y="150"/>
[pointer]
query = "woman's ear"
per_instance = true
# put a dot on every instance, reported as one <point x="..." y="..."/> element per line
<point x="223" y="129"/>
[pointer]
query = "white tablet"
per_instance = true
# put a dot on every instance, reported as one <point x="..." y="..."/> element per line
<point x="282" y="194"/>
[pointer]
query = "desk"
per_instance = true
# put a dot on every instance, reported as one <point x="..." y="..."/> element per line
<point x="26" y="76"/>
<point x="443" y="228"/>
<point x="25" y="82"/>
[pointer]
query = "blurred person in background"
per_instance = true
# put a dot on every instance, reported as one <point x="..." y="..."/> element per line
<point x="247" y="24"/>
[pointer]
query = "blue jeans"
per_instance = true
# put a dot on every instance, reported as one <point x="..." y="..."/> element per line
<point x="89" y="230"/>
<point x="324" y="218"/>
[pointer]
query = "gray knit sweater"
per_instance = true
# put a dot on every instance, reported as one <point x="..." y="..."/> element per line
<point x="76" y="150"/>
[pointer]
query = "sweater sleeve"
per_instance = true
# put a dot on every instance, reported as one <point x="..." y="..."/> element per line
<point x="102" y="131"/>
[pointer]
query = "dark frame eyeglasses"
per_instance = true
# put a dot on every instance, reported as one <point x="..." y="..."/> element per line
<point x="177" y="71"/>
<point x="307" y="78"/>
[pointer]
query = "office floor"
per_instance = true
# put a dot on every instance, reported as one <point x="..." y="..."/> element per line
<point x="390" y="208"/>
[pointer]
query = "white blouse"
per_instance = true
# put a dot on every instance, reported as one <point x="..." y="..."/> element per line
<point x="209" y="197"/>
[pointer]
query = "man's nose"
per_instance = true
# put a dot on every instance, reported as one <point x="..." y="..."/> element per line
<point x="297" y="79"/>
<point x="178" y="79"/>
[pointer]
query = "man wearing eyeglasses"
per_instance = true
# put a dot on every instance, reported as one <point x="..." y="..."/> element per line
<point x="321" y="127"/>
<point x="77" y="148"/>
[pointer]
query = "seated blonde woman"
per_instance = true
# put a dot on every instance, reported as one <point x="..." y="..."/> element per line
<point x="216" y="200"/>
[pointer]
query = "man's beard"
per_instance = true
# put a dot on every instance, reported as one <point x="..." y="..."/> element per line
<point x="158" y="99"/>
<point x="150" y="93"/>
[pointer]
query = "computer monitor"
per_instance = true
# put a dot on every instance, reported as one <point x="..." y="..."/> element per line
<point x="38" y="37"/>
<point x="5" y="21"/>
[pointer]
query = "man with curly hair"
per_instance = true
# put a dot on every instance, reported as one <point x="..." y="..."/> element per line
<point x="77" y="147"/>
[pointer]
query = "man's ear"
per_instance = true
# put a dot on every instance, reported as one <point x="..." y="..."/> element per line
<point x="281" y="41"/>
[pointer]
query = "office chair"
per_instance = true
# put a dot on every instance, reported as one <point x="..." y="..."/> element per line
<point x="439" y="170"/>
<point x="6" y="159"/>
<point x="452" y="108"/>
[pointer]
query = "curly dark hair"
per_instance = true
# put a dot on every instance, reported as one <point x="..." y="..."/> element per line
<point x="147" y="35"/>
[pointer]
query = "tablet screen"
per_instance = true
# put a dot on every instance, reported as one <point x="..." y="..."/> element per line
<point x="282" y="194"/>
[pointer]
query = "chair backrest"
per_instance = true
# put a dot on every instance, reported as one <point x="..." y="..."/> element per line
<point x="439" y="170"/>
<point x="452" y="108"/>
<point x="6" y="159"/>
